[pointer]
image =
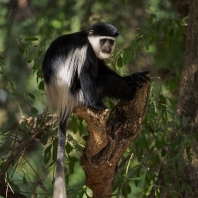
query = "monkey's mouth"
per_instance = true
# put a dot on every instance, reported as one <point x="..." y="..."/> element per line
<point x="104" y="56"/>
<point x="106" y="51"/>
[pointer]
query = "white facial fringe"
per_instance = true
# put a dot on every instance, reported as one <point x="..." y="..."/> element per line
<point x="95" y="43"/>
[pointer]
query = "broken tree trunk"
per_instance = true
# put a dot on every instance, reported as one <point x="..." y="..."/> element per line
<point x="109" y="138"/>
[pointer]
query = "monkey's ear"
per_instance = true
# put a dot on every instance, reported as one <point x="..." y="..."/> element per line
<point x="90" y="32"/>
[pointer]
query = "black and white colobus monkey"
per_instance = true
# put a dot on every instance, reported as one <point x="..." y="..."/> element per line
<point x="75" y="74"/>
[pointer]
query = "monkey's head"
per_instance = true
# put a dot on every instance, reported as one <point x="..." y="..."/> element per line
<point x="102" y="37"/>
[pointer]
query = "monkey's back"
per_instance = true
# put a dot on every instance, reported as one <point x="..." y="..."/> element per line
<point x="61" y="68"/>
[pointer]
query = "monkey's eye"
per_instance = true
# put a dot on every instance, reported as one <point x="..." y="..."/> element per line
<point x="111" y="41"/>
<point x="103" y="41"/>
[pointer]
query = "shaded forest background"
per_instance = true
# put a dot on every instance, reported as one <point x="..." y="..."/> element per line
<point x="152" y="37"/>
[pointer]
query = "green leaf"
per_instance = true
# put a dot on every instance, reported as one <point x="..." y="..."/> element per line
<point x="23" y="124"/>
<point x="153" y="16"/>
<point x="163" y="152"/>
<point x="143" y="142"/>
<point x="134" y="44"/>
<point x="147" y="47"/>
<point x="81" y="127"/>
<point x="44" y="138"/>
<point x="188" y="154"/>
<point x="31" y="39"/>
<point x="126" y="190"/>
<point x="29" y="59"/>
<point x="31" y="95"/>
<point x="41" y="85"/>
<point x="134" y="54"/>
<point x="25" y="180"/>
<point x="34" y="110"/>
<point x="69" y="148"/>
<point x="15" y="187"/>
<point x="127" y="55"/>
<point x="157" y="192"/>
<point x="186" y="188"/>
<point x="47" y="154"/>
<point x="72" y="161"/>
<point x="159" y="139"/>
<point x="40" y="52"/>
<point x="21" y="50"/>
<point x="176" y="186"/>
<point x="25" y="133"/>
<point x="184" y="121"/>
<point x="175" y="144"/>
<point x="167" y="176"/>
<point x="119" y="62"/>
<point x="74" y="124"/>
<point x="54" y="153"/>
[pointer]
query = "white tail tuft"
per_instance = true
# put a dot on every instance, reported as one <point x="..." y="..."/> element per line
<point x="59" y="187"/>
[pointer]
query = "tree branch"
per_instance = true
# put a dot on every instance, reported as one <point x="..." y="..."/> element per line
<point x="37" y="131"/>
<point x="108" y="140"/>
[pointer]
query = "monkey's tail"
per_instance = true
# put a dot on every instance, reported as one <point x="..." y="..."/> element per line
<point x="59" y="184"/>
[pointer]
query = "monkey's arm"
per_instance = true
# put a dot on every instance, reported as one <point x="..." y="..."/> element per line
<point x="103" y="69"/>
<point x="134" y="80"/>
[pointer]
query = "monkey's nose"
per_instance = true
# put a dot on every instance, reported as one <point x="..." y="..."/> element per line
<point x="107" y="50"/>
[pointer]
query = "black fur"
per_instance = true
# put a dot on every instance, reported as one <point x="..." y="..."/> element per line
<point x="58" y="51"/>
<point x="96" y="80"/>
<point x="103" y="29"/>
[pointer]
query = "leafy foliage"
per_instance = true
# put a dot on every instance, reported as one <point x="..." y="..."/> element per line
<point x="159" y="149"/>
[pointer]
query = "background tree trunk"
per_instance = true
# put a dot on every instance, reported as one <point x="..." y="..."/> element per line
<point x="188" y="96"/>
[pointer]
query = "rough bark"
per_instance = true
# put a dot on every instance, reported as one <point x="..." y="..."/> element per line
<point x="109" y="139"/>
<point x="188" y="96"/>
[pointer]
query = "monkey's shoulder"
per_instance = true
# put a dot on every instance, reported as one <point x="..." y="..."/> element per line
<point x="73" y="40"/>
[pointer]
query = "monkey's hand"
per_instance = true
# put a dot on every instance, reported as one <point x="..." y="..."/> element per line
<point x="137" y="79"/>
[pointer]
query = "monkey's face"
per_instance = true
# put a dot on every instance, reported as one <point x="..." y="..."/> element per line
<point x="103" y="46"/>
